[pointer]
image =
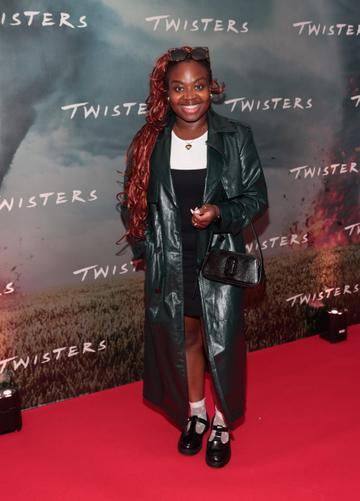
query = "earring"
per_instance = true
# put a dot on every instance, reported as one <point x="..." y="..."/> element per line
<point x="168" y="98"/>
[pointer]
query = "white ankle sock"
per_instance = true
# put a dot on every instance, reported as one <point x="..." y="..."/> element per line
<point x="198" y="409"/>
<point x="219" y="420"/>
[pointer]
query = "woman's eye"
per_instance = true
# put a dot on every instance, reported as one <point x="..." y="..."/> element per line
<point x="178" y="89"/>
<point x="199" y="87"/>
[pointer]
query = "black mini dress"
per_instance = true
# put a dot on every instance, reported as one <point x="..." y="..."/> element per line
<point x="189" y="188"/>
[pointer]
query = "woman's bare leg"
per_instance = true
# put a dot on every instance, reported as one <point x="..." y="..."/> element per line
<point x="195" y="358"/>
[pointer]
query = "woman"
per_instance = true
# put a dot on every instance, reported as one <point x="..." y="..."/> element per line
<point x="191" y="172"/>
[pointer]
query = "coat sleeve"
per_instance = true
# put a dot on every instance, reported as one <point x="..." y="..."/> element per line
<point x="137" y="246"/>
<point x="236" y="212"/>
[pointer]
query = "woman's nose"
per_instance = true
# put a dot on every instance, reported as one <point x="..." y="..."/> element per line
<point x="189" y="94"/>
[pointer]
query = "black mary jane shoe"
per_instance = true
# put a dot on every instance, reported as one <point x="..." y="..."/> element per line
<point x="190" y="441"/>
<point x="217" y="453"/>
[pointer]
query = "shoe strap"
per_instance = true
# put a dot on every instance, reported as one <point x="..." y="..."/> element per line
<point x="219" y="429"/>
<point x="197" y="418"/>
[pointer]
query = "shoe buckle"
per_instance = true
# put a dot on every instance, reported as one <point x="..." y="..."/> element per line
<point x="219" y="429"/>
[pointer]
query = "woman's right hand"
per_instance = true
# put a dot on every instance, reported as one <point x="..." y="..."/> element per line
<point x="139" y="264"/>
<point x="205" y="215"/>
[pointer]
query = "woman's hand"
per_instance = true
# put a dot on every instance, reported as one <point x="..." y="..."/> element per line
<point x="205" y="215"/>
<point x="139" y="264"/>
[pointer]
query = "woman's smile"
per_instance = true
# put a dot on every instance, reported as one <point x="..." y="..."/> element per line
<point x="190" y="108"/>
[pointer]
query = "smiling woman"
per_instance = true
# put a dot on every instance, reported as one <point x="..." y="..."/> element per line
<point x="190" y="173"/>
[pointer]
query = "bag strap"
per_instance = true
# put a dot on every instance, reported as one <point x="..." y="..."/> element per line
<point x="254" y="233"/>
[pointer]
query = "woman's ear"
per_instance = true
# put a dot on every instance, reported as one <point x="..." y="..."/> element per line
<point x="217" y="94"/>
<point x="216" y="87"/>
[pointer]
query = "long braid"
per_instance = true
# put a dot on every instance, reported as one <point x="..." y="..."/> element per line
<point x="139" y="152"/>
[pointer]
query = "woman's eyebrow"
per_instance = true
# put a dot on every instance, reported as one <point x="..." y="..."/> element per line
<point x="180" y="81"/>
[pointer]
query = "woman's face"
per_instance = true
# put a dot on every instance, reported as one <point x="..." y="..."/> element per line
<point x="189" y="90"/>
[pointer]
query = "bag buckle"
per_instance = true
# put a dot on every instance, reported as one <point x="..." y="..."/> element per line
<point x="230" y="266"/>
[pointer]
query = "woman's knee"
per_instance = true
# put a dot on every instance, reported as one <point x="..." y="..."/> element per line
<point x="193" y="337"/>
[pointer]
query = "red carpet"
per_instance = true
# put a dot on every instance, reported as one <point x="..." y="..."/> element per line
<point x="300" y="439"/>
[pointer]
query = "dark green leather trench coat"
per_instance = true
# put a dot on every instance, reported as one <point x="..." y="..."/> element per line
<point x="234" y="180"/>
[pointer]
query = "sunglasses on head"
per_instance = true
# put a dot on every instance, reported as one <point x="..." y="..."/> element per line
<point x="197" y="54"/>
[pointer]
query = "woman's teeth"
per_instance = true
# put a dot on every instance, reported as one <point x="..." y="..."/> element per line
<point x="191" y="108"/>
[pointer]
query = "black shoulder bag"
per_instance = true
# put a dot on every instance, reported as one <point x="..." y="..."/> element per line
<point x="233" y="268"/>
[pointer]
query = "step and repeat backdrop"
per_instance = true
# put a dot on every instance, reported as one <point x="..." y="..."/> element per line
<point x="73" y="84"/>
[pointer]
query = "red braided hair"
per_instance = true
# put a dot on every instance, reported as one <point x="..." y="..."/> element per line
<point x="139" y="152"/>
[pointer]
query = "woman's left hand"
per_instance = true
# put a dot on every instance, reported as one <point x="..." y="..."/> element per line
<point x="205" y="215"/>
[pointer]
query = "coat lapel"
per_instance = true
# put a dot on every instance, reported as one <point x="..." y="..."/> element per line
<point x="215" y="162"/>
<point x="218" y="127"/>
